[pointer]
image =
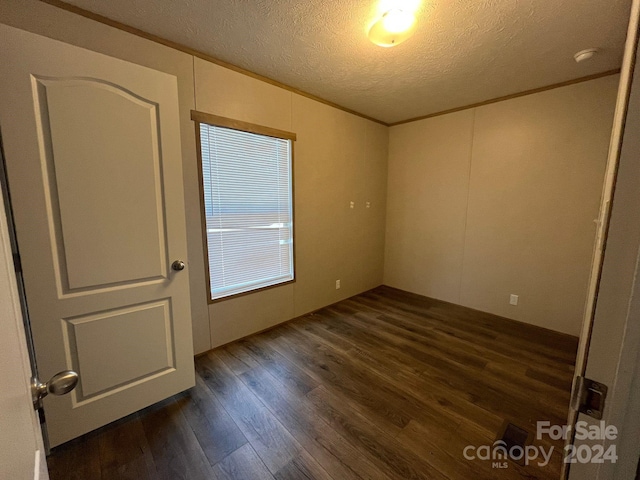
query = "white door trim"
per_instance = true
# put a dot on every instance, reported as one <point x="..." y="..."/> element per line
<point x="21" y="443"/>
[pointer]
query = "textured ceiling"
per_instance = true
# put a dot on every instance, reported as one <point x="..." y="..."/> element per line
<point x="463" y="51"/>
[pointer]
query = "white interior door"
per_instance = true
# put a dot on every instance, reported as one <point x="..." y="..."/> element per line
<point x="93" y="158"/>
<point x="21" y="446"/>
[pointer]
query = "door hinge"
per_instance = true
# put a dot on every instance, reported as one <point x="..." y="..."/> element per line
<point x="17" y="263"/>
<point x="588" y="397"/>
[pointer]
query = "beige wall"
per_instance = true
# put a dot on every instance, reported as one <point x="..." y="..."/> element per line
<point x="339" y="158"/>
<point x="501" y="199"/>
<point x="428" y="187"/>
<point x="537" y="171"/>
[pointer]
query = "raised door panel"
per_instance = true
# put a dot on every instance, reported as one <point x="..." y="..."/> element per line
<point x="137" y="340"/>
<point x="104" y="188"/>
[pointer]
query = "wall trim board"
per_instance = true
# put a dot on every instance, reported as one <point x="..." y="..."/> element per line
<point x="196" y="53"/>
<point x="218" y="121"/>
<point x="566" y="83"/>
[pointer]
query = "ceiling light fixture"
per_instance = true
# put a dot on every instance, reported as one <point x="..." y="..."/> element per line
<point x="584" y="55"/>
<point x="393" y="28"/>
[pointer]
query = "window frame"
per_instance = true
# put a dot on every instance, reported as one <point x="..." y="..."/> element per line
<point x="223" y="122"/>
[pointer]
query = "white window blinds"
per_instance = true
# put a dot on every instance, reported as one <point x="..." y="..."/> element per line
<point x="248" y="209"/>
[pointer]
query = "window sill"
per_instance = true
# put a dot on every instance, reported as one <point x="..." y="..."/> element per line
<point x="211" y="301"/>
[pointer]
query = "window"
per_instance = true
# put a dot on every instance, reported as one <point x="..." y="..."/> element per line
<point x="248" y="205"/>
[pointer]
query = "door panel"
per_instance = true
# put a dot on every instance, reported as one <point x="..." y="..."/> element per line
<point x="118" y="335"/>
<point x="80" y="118"/>
<point x="95" y="171"/>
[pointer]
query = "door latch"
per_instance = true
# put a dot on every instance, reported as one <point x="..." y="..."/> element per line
<point x="589" y="397"/>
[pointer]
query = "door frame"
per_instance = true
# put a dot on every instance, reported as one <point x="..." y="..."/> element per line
<point x="603" y="222"/>
<point x="16" y="338"/>
<point x="13" y="243"/>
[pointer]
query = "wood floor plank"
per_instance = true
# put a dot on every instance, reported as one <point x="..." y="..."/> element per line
<point x="456" y="337"/>
<point x="387" y="452"/>
<point x="336" y="454"/>
<point x="215" y="430"/>
<point x="562" y="382"/>
<point x="449" y="346"/>
<point x="335" y="373"/>
<point x="382" y="386"/>
<point x="303" y="467"/>
<point x="236" y="358"/>
<point x="452" y="397"/>
<point x="271" y="441"/>
<point x="243" y="464"/>
<point x="441" y="451"/>
<point x="516" y="377"/>
<point x="491" y="393"/>
<point x="497" y="333"/>
<point x="423" y="338"/>
<point x="438" y="412"/>
<point x="559" y="343"/>
<point x="125" y="452"/>
<point x="78" y="459"/>
<point x="176" y="452"/>
<point x="273" y="362"/>
<point x="416" y="403"/>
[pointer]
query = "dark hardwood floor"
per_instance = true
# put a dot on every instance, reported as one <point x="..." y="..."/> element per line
<point x="385" y="385"/>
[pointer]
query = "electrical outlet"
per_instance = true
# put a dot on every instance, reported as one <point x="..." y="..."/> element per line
<point x="513" y="299"/>
<point x="337" y="284"/>
<point x="352" y="204"/>
<point x="368" y="205"/>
